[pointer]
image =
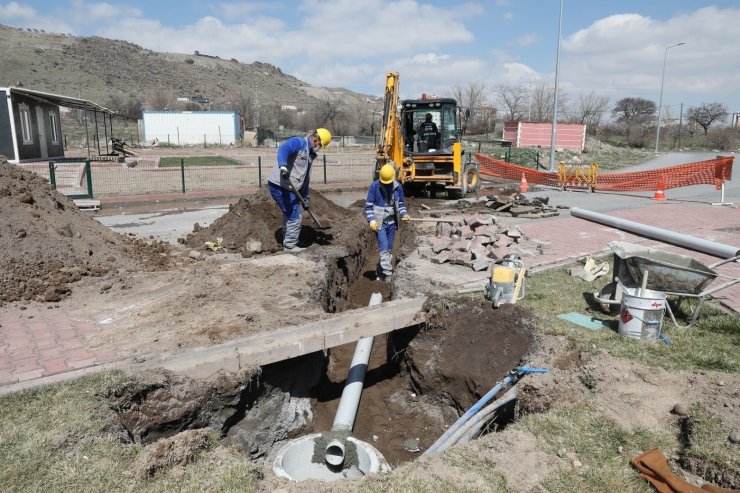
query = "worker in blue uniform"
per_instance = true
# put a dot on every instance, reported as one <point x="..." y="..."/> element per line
<point x="384" y="207"/>
<point x="290" y="176"/>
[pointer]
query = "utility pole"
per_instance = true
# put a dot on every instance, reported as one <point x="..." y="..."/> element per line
<point x="553" y="139"/>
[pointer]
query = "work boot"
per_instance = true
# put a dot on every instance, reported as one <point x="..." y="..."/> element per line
<point x="294" y="249"/>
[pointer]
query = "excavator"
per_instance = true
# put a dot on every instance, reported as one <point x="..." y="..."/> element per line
<point x="425" y="162"/>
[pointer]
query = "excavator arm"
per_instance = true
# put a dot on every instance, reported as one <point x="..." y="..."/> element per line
<point x="391" y="143"/>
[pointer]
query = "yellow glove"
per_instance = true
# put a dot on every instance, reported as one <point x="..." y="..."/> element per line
<point x="406" y="218"/>
<point x="374" y="225"/>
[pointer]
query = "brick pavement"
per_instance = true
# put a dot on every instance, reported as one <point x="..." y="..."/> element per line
<point x="43" y="343"/>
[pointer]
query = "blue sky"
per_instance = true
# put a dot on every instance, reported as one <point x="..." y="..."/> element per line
<point x="615" y="48"/>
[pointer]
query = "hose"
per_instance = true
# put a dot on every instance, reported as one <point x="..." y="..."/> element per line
<point x="512" y="378"/>
<point x="474" y="424"/>
<point x="469" y="414"/>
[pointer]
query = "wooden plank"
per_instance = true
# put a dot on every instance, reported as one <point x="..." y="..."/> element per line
<point x="433" y="220"/>
<point x="290" y="342"/>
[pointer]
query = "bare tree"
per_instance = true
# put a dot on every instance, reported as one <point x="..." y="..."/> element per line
<point x="158" y="100"/>
<point x="470" y="97"/>
<point x="127" y="108"/>
<point x="513" y="100"/>
<point x="706" y="114"/>
<point x="330" y="111"/>
<point x="542" y="97"/>
<point x="589" y="109"/>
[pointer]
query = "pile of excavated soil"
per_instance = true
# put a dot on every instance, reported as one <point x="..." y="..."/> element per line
<point x="47" y="243"/>
<point x="254" y="225"/>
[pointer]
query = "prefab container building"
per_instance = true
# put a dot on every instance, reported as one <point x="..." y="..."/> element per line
<point x="30" y="128"/>
<point x="570" y="136"/>
<point x="191" y="127"/>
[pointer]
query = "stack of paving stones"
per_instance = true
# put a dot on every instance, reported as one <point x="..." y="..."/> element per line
<point x="517" y="205"/>
<point x="475" y="240"/>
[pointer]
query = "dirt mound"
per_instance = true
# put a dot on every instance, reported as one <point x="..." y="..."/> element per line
<point x="468" y="347"/>
<point x="254" y="225"/>
<point x="46" y="243"/>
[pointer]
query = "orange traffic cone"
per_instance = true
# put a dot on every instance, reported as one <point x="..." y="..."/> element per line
<point x="523" y="187"/>
<point x="659" y="194"/>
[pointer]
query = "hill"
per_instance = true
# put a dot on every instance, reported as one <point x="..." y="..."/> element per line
<point x="108" y="71"/>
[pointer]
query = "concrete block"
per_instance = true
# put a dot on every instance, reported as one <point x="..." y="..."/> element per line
<point x="480" y="264"/>
<point x="479" y="253"/>
<point x="444" y="229"/>
<point x="441" y="258"/>
<point x="466" y="231"/>
<point x="425" y="252"/>
<point x="514" y="232"/>
<point x="497" y="252"/>
<point x="482" y="220"/>
<point x="439" y="244"/>
<point x="460" y="258"/>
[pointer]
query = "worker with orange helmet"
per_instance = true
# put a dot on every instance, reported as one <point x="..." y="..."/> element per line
<point x="383" y="208"/>
<point x="290" y="176"/>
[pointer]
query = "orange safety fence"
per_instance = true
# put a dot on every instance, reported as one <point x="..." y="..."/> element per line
<point x="710" y="172"/>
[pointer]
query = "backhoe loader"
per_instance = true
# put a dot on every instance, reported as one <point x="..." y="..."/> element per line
<point x="424" y="161"/>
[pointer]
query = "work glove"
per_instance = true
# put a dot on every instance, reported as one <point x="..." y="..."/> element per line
<point x="306" y="203"/>
<point x="406" y="218"/>
<point x="284" y="171"/>
<point x="374" y="225"/>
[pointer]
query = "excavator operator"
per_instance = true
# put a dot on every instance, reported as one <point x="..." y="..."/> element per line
<point x="428" y="134"/>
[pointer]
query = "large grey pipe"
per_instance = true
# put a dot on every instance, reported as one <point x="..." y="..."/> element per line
<point x="719" y="250"/>
<point x="344" y="420"/>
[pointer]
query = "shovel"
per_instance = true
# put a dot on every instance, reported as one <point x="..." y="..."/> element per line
<point x="303" y="204"/>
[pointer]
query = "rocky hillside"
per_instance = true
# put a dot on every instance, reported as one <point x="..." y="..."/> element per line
<point x="101" y="70"/>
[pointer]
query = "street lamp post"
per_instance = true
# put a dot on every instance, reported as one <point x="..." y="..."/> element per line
<point x="660" y="102"/>
<point x="553" y="138"/>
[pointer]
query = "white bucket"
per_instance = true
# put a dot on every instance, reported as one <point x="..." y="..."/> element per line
<point x="641" y="317"/>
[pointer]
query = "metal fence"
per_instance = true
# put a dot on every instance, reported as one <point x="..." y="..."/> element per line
<point x="349" y="160"/>
<point x="80" y="178"/>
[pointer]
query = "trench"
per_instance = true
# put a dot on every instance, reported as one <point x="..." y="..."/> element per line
<point x="419" y="379"/>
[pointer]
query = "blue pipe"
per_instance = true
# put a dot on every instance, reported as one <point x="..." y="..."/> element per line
<point x="469" y="414"/>
<point x="513" y="377"/>
<point x="475" y="429"/>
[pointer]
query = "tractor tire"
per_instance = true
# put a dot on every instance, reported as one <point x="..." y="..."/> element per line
<point x="471" y="179"/>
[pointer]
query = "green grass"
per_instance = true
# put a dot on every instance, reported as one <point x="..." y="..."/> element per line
<point x="601" y="445"/>
<point x="173" y="162"/>
<point x="64" y="437"/>
<point x="712" y="343"/>
<point x="708" y="439"/>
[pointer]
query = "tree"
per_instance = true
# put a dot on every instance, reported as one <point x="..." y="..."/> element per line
<point x="127" y="108"/>
<point x="158" y="100"/>
<point x="471" y="97"/>
<point x="589" y="109"/>
<point x="542" y="97"/>
<point x="514" y="100"/>
<point x="634" y="113"/>
<point x="706" y="114"/>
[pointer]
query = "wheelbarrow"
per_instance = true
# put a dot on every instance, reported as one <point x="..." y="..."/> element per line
<point x="674" y="274"/>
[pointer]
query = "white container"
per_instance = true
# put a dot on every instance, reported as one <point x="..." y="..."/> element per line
<point x="641" y="317"/>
